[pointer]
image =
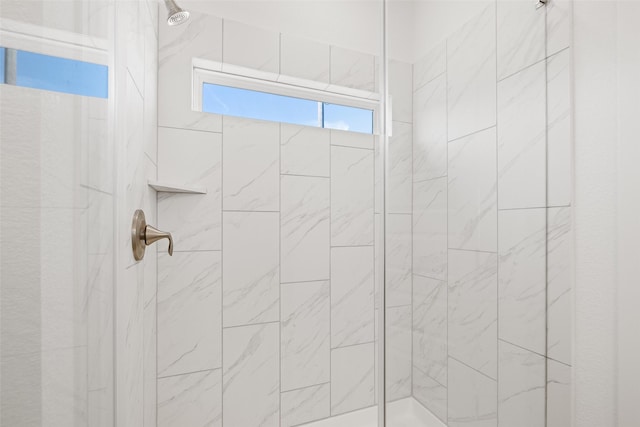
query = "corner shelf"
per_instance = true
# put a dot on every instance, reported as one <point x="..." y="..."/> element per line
<point x="173" y="188"/>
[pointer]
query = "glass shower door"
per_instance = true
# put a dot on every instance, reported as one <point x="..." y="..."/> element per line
<point x="56" y="214"/>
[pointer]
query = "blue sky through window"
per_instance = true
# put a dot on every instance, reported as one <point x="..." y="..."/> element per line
<point x="252" y="104"/>
<point x="56" y="74"/>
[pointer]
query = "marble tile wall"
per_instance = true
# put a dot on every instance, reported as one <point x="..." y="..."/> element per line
<point x="268" y="301"/>
<point x="491" y="220"/>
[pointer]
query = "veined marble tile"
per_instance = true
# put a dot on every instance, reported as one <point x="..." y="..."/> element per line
<point x="304" y="150"/>
<point x="190" y="400"/>
<point x="352" y="197"/>
<point x="430" y="228"/>
<point x="100" y="322"/>
<point x="346" y="138"/>
<point x="251" y="376"/>
<point x="130" y="343"/>
<point x="473" y="329"/>
<point x="305" y="405"/>
<point x="398" y="235"/>
<point x="189" y="296"/>
<point x="352" y="378"/>
<point x="200" y="37"/>
<point x="352" y="290"/>
<point x="250" y="267"/>
<point x="521" y="387"/>
<point x="522" y="135"/>
<point x="352" y="69"/>
<point x="559" y="130"/>
<point x="133" y="15"/>
<point x="305" y="334"/>
<point x="559" y="286"/>
<point x="471" y="75"/>
<point x="191" y="158"/>
<point x="559" y="25"/>
<point x="430" y="327"/>
<point x="398" y="352"/>
<point x="471" y="397"/>
<point x="400" y="169"/>
<point x="150" y="334"/>
<point x="251" y="173"/>
<point x="430" y="393"/>
<point x="100" y="411"/>
<point x="430" y="66"/>
<point x="521" y="36"/>
<point x="251" y="47"/>
<point x="304" y="228"/>
<point x="304" y="58"/>
<point x="521" y="278"/>
<point x="100" y="220"/>
<point x="558" y="394"/>
<point x="401" y="90"/>
<point x="472" y="215"/>
<point x="430" y="130"/>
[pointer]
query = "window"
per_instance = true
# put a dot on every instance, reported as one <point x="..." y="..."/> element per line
<point x="56" y="74"/>
<point x="262" y="105"/>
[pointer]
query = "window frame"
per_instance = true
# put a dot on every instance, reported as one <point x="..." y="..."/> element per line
<point x="331" y="94"/>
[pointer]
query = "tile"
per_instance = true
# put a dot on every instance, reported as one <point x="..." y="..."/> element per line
<point x="352" y="378"/>
<point x="472" y="313"/>
<point x="521" y="387"/>
<point x="200" y="37"/>
<point x="251" y="158"/>
<point x="150" y="88"/>
<point x="304" y="58"/>
<point x="251" y="375"/>
<point x="352" y="69"/>
<point x="100" y="412"/>
<point x="189" y="297"/>
<point x="305" y="334"/>
<point x="430" y="228"/>
<point x="522" y="278"/>
<point x="250" y="295"/>
<point x="100" y="322"/>
<point x="430" y="393"/>
<point x="559" y="25"/>
<point x="559" y="165"/>
<point x="345" y="138"/>
<point x="133" y="14"/>
<point x="398" y="353"/>
<point x="305" y="405"/>
<point x="472" y="213"/>
<point x="400" y="169"/>
<point x="150" y="336"/>
<point x="521" y="36"/>
<point x="522" y="139"/>
<point x="304" y="228"/>
<point x="471" y="75"/>
<point x="430" y="327"/>
<point x="251" y="47"/>
<point x="130" y="344"/>
<point x="192" y="158"/>
<point x="401" y="90"/>
<point x="398" y="258"/>
<point x="378" y="172"/>
<point x="471" y="397"/>
<point x="559" y="285"/>
<point x="352" y="198"/>
<point x="430" y="66"/>
<point x="559" y="401"/>
<point x="190" y="400"/>
<point x="352" y="290"/>
<point x="101" y="222"/>
<point x="430" y="130"/>
<point x="304" y="150"/>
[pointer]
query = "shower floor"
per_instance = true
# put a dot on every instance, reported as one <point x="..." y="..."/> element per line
<point x="401" y="413"/>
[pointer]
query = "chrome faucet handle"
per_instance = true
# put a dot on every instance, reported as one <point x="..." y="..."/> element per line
<point x="152" y="235"/>
<point x="143" y="235"/>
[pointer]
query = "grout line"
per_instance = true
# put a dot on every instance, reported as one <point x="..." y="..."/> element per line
<point x="305" y="176"/>
<point x="330" y="258"/>
<point x="188" y="373"/>
<point x="473" y="369"/>
<point x="521" y="347"/>
<point x="280" y="258"/>
<point x="305" y="281"/>
<point x="469" y="134"/>
<point x="497" y="173"/>
<point x="429" y="277"/>
<point x="222" y="140"/>
<point x="522" y="69"/>
<point x="429" y="376"/>
<point x="192" y="130"/>
<point x="304" y="387"/>
<point x="473" y="250"/>
<point x="354" y="345"/>
<point x="546" y="221"/>
<point x="446" y="283"/>
<point x="251" y="324"/>
<point x="350" y="146"/>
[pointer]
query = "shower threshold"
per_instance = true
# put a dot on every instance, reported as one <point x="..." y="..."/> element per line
<point x="401" y="413"/>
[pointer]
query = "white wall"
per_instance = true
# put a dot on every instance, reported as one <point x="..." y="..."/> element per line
<point x="606" y="84"/>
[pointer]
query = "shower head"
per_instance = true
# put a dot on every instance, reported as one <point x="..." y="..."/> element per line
<point x="176" y="14"/>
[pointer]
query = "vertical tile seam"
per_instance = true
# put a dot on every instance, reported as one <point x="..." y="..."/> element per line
<point x="222" y="142"/>
<point x="546" y="217"/>
<point x="497" y="227"/>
